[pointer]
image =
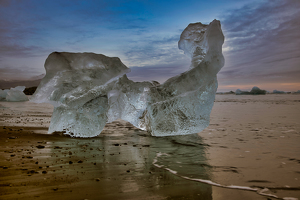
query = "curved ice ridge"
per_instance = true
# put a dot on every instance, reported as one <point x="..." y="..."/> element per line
<point x="257" y="190"/>
<point x="89" y="90"/>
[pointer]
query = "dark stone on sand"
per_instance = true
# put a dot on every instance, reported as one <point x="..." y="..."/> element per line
<point x="40" y="146"/>
<point x="70" y="162"/>
<point x="32" y="172"/>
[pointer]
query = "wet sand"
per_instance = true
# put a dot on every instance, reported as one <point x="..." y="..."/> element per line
<point x="252" y="141"/>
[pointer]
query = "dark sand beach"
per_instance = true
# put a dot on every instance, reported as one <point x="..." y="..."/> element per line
<point x="251" y="142"/>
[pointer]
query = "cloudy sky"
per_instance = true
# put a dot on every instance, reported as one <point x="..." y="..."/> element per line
<point x="262" y="38"/>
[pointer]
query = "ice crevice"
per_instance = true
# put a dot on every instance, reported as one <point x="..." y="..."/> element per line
<point x="89" y="90"/>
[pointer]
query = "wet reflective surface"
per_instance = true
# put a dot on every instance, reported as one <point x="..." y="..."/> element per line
<point x="252" y="141"/>
<point x="111" y="166"/>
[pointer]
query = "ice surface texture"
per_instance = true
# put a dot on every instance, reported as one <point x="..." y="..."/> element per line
<point x="89" y="90"/>
<point x="14" y="94"/>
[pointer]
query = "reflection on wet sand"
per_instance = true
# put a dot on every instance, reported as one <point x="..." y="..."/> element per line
<point x="252" y="141"/>
<point x="114" y="165"/>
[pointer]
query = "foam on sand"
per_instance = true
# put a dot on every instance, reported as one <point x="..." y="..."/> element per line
<point x="258" y="190"/>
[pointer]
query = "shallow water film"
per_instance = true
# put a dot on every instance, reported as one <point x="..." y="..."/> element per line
<point x="252" y="143"/>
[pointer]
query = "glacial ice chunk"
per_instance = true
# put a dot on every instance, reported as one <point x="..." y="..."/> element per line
<point x="254" y="91"/>
<point x="239" y="92"/>
<point x="14" y="94"/>
<point x="72" y="83"/>
<point x="278" y="92"/>
<point x="89" y="90"/>
<point x="18" y="88"/>
<point x="3" y="94"/>
<point x="70" y="75"/>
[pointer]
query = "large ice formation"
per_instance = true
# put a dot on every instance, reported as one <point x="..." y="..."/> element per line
<point x="89" y="90"/>
<point x="14" y="94"/>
